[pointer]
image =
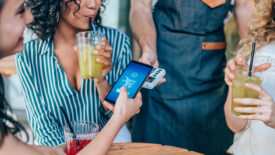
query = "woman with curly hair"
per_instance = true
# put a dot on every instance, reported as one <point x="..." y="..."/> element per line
<point x="255" y="133"/>
<point x="49" y="71"/>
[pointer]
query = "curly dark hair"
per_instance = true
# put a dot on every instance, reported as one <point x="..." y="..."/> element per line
<point x="46" y="14"/>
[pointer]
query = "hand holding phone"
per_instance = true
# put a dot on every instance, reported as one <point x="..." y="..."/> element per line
<point x="132" y="78"/>
<point x="126" y="107"/>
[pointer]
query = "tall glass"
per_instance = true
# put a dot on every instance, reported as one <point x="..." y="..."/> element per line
<point x="240" y="91"/>
<point x="87" y="42"/>
<point x="85" y="131"/>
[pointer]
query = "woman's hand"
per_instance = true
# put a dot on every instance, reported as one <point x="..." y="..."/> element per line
<point x="264" y="109"/>
<point x="104" y="50"/>
<point x="125" y="107"/>
<point x="240" y="62"/>
<point x="232" y="65"/>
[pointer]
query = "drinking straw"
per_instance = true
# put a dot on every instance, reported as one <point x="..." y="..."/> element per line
<point x="252" y="58"/>
<point x="69" y="124"/>
<point x="90" y="24"/>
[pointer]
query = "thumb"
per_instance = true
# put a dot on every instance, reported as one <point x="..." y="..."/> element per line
<point x="138" y="95"/>
<point x="123" y="90"/>
<point x="156" y="64"/>
<point x="262" y="67"/>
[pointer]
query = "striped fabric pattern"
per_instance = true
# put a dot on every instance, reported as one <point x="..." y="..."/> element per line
<point x="46" y="87"/>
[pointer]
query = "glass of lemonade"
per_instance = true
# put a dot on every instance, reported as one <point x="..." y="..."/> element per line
<point x="240" y="91"/>
<point x="87" y="42"/>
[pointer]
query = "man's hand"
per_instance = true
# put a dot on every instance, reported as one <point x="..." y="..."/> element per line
<point x="150" y="58"/>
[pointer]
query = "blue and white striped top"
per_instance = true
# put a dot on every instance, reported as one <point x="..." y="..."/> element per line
<point x="46" y="87"/>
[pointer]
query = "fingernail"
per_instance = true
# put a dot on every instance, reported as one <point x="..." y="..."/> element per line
<point x="236" y="109"/>
<point x="98" y="59"/>
<point x="98" y="46"/>
<point x="96" y="52"/>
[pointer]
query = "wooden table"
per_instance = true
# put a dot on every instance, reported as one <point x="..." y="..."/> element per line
<point x="147" y="149"/>
<point x="7" y="66"/>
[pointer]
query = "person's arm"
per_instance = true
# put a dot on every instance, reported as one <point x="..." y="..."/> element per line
<point x="143" y="27"/>
<point x="124" y="109"/>
<point x="102" y="143"/>
<point x="44" y="126"/>
<point x="121" y="58"/>
<point x="234" y="124"/>
<point x="103" y="87"/>
<point x="13" y="146"/>
<point x="244" y="10"/>
<point x="120" y="62"/>
<point x="102" y="83"/>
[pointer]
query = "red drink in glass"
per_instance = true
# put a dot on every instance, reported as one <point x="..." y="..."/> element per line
<point x="72" y="148"/>
<point x="85" y="131"/>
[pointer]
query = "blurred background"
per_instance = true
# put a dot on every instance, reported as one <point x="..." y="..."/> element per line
<point x="115" y="15"/>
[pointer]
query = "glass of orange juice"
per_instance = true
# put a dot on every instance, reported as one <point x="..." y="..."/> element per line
<point x="86" y="43"/>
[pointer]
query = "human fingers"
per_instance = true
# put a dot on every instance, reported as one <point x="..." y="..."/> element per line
<point x="108" y="106"/>
<point x="259" y="90"/>
<point x="262" y="67"/>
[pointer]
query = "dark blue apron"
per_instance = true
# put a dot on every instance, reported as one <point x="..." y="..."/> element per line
<point x="187" y="111"/>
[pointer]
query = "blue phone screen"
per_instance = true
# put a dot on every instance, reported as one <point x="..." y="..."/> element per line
<point x="132" y="78"/>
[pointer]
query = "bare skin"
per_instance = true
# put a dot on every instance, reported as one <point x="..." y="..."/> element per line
<point x="13" y="18"/>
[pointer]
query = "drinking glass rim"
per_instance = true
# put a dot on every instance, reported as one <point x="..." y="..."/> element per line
<point x="93" y="32"/>
<point x="92" y="123"/>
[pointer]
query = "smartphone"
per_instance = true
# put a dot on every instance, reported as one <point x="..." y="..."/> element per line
<point x="133" y="77"/>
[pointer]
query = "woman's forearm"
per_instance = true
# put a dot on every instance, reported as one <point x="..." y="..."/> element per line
<point x="103" y="87"/>
<point x="13" y="146"/>
<point x="235" y="124"/>
<point x="102" y="143"/>
<point x="51" y="150"/>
